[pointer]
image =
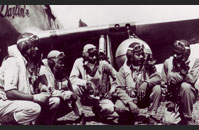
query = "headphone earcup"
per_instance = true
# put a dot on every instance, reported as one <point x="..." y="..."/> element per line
<point x="85" y="55"/>
<point x="188" y="54"/>
<point x="51" y="63"/>
<point x="128" y="55"/>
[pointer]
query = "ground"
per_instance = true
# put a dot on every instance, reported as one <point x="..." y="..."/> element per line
<point x="92" y="120"/>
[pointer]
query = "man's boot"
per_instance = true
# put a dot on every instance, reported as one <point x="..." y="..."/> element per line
<point x="81" y="120"/>
<point x="134" y="110"/>
<point x="8" y="119"/>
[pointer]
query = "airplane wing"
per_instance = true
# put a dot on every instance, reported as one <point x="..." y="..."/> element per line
<point x="159" y="36"/>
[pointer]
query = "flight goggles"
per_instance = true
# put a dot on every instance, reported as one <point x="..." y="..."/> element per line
<point x="136" y="48"/>
<point x="32" y="39"/>
<point x="179" y="45"/>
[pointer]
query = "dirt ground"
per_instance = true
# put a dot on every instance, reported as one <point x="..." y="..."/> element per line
<point x="70" y="118"/>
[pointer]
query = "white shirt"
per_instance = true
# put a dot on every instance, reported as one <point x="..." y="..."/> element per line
<point x="14" y="73"/>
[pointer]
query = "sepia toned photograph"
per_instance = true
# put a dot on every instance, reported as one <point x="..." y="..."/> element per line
<point x="99" y="65"/>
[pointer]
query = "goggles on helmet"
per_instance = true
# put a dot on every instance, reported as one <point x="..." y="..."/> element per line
<point x="31" y="39"/>
<point x="34" y="38"/>
<point x="27" y="42"/>
<point x="136" y="48"/>
<point x="180" y="46"/>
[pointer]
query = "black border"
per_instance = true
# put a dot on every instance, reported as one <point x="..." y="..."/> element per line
<point x="99" y="127"/>
<point x="98" y="2"/>
<point x="101" y="2"/>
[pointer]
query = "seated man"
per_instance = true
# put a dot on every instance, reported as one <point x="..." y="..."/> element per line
<point x="18" y="72"/>
<point x="180" y="77"/>
<point x="87" y="78"/>
<point x="51" y="71"/>
<point x="137" y="78"/>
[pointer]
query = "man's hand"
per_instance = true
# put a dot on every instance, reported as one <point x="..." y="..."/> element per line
<point x="142" y="91"/>
<point x="57" y="93"/>
<point x="109" y="94"/>
<point x="41" y="97"/>
<point x="3" y="95"/>
<point x="175" y="78"/>
<point x="69" y="95"/>
<point x="44" y="88"/>
<point x="131" y="92"/>
<point x="47" y="89"/>
<point x="190" y="79"/>
<point x="89" y="87"/>
<point x="171" y="118"/>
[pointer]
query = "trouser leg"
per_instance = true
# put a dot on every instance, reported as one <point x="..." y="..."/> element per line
<point x="188" y="96"/>
<point x="49" y="111"/>
<point x="120" y="107"/>
<point x="63" y="109"/>
<point x="155" y="98"/>
<point x="124" y="113"/>
<point x="23" y="111"/>
<point x="123" y="96"/>
<point x="127" y="101"/>
<point x="78" y="105"/>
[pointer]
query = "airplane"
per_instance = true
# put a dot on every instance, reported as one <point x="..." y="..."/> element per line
<point x="116" y="35"/>
<point x="112" y="40"/>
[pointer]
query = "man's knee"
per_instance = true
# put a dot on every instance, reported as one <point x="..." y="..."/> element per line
<point x="30" y="111"/>
<point x="123" y="96"/>
<point x="120" y="106"/>
<point x="37" y="108"/>
<point x="106" y="106"/>
<point x="157" y="90"/>
<point x="185" y="87"/>
<point x="32" y="107"/>
<point x="103" y="109"/>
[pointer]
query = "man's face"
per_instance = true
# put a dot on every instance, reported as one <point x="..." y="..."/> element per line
<point x="92" y="58"/>
<point x="137" y="58"/>
<point x="59" y="65"/>
<point x="33" y="52"/>
<point x="181" y="51"/>
<point x="178" y="56"/>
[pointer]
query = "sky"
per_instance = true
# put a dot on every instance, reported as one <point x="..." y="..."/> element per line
<point x="95" y="15"/>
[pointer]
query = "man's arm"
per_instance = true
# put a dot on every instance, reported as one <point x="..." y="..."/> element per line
<point x="108" y="68"/>
<point x="11" y="77"/>
<point x="111" y="71"/>
<point x="44" y="78"/>
<point x="193" y="75"/>
<point x="75" y="74"/>
<point x="169" y="75"/>
<point x="164" y="72"/>
<point x="120" y="78"/>
<point x="154" y="79"/>
<point x="17" y="95"/>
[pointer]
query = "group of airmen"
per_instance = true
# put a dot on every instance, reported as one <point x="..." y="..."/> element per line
<point x="37" y="91"/>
